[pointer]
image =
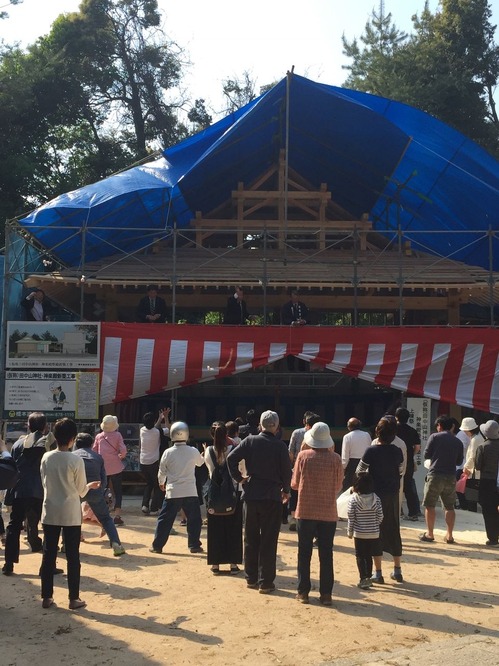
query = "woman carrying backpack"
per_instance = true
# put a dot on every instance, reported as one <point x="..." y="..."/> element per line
<point x="225" y="541"/>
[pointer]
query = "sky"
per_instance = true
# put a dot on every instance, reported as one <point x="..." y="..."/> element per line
<point x="223" y="39"/>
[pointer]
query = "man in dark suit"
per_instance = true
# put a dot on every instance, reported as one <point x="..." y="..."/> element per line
<point x="236" y="313"/>
<point x="294" y="312"/>
<point x="151" y="308"/>
<point x="36" y="306"/>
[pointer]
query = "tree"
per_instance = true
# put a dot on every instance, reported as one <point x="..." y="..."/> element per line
<point x="199" y="115"/>
<point x="238" y="92"/>
<point x="448" y="67"/>
<point x="4" y="14"/>
<point x="88" y="99"/>
<point x="124" y="67"/>
<point x="372" y="69"/>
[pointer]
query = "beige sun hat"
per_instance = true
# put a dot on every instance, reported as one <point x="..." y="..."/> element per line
<point x="109" y="423"/>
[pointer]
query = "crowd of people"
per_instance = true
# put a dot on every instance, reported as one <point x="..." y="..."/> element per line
<point x="264" y="480"/>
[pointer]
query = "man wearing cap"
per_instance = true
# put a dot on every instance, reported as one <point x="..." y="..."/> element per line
<point x="151" y="308"/>
<point x="444" y="452"/>
<point x="266" y="488"/>
<point x="317" y="476"/>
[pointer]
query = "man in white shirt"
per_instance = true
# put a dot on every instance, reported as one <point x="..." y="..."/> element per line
<point x="354" y="445"/>
<point x="177" y="478"/>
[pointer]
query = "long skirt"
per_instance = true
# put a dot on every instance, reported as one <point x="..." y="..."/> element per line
<point x="389" y="532"/>
<point x="225" y="538"/>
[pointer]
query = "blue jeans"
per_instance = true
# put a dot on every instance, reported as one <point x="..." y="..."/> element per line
<point x="307" y="531"/>
<point x="166" y="518"/>
<point x="97" y="503"/>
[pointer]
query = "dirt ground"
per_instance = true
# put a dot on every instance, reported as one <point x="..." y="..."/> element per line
<point x="146" y="609"/>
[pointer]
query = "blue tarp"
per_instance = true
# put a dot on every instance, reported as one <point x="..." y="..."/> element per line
<point x="378" y="156"/>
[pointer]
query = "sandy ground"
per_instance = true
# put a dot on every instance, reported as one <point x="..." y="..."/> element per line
<point x="146" y="609"/>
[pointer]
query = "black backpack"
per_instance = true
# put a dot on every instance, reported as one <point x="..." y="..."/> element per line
<point x="220" y="496"/>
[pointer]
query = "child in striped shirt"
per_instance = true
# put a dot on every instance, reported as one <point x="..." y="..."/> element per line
<point x="364" y="518"/>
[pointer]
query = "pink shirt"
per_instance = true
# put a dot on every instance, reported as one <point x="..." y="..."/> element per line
<point x="317" y="476"/>
<point x="112" y="448"/>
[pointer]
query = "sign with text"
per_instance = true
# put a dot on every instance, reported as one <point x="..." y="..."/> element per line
<point x="53" y="345"/>
<point x="57" y="394"/>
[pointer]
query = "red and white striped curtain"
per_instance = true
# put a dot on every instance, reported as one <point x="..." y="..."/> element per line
<point x="457" y="365"/>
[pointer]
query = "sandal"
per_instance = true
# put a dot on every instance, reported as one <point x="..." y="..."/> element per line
<point x="424" y="537"/>
<point x="234" y="570"/>
<point x="451" y="540"/>
<point x="215" y="570"/>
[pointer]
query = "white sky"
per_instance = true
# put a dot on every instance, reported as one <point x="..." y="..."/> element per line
<point x="223" y="39"/>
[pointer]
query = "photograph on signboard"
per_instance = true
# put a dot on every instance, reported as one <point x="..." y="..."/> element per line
<point x="56" y="394"/>
<point x="54" y="345"/>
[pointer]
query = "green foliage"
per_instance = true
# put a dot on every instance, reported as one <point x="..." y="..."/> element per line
<point x="238" y="92"/>
<point x="448" y="67"/>
<point x="89" y="99"/>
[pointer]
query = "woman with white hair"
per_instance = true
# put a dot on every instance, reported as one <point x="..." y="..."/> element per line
<point x="109" y="443"/>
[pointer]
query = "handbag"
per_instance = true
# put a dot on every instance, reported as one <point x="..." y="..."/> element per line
<point x="220" y="496"/>
<point x="461" y="484"/>
<point x="342" y="504"/>
<point x="471" y="490"/>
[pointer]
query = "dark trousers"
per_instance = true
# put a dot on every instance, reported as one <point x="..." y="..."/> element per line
<point x="96" y="501"/>
<point x="307" y="531"/>
<point x="364" y="551"/>
<point x="261" y="532"/>
<point x="166" y="518"/>
<point x="489" y="499"/>
<point x="23" y="508"/>
<point x="411" y="495"/>
<point x="71" y="536"/>
<point x="115" y="481"/>
<point x="153" y="496"/>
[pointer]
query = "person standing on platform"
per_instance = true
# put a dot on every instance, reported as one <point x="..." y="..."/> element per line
<point x="36" y="306"/>
<point x="236" y="313"/>
<point x="294" y="312"/>
<point x="151" y="308"/>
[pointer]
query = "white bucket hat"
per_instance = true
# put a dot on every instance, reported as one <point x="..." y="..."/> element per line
<point x="468" y="423"/>
<point x="319" y="436"/>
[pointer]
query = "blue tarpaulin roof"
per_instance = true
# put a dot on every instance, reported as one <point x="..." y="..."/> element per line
<point x="399" y="164"/>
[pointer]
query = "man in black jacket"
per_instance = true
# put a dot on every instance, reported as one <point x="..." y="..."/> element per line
<point x="236" y="313"/>
<point x="266" y="488"/>
<point x="27" y="495"/>
<point x="152" y="308"/>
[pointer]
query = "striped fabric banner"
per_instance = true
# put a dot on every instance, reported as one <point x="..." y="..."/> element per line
<point x="457" y="365"/>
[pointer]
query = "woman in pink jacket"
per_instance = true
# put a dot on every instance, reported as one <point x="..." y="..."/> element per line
<point x="109" y="443"/>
